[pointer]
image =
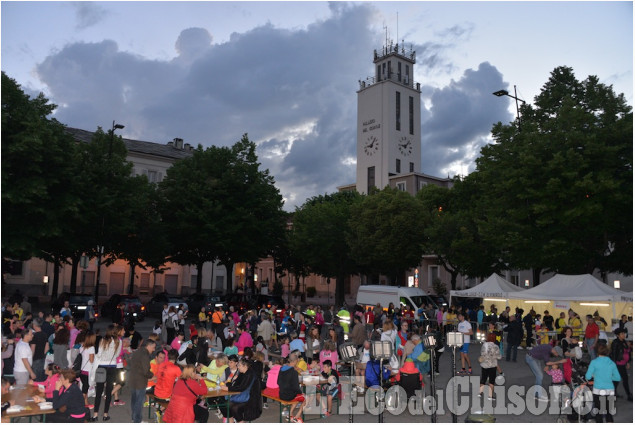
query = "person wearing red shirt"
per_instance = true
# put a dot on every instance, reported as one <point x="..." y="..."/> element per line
<point x="184" y="407"/>
<point x="167" y="374"/>
<point x="591" y="334"/>
<point x="369" y="318"/>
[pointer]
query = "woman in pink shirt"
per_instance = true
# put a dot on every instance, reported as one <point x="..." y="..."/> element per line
<point x="52" y="375"/>
<point x="329" y="353"/>
<point x="176" y="342"/>
<point x="244" y="340"/>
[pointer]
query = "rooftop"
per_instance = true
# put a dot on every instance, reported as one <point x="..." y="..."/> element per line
<point x="168" y="150"/>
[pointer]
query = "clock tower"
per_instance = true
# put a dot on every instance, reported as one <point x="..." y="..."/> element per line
<point x="388" y="120"/>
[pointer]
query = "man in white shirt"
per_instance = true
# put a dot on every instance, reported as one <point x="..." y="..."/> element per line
<point x="466" y="329"/>
<point x="22" y="369"/>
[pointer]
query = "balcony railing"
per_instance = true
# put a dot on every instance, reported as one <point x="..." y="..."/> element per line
<point x="403" y="80"/>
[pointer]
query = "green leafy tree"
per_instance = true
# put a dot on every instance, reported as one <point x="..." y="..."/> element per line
<point x="37" y="170"/>
<point x="386" y="233"/>
<point x="558" y="194"/>
<point x="319" y="237"/>
<point x="450" y="216"/>
<point x="220" y="205"/>
<point x="39" y="180"/>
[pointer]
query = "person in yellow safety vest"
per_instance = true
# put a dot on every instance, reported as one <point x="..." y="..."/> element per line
<point x="310" y="312"/>
<point x="345" y="319"/>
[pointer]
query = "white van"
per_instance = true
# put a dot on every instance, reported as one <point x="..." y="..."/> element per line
<point x="401" y="297"/>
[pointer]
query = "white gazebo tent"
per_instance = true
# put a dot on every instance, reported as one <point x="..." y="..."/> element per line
<point x="494" y="289"/>
<point x="583" y="293"/>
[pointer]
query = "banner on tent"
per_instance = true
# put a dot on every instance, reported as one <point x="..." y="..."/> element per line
<point x="562" y="305"/>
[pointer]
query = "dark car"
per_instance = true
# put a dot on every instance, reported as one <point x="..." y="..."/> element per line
<point x="197" y="301"/>
<point x="268" y="301"/>
<point x="133" y="307"/>
<point x="155" y="306"/>
<point x="77" y="303"/>
<point x="239" y="301"/>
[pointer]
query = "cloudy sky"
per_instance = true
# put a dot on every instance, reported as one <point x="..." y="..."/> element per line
<point x="287" y="73"/>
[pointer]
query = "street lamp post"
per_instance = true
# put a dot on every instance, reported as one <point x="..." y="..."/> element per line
<point x="100" y="248"/>
<point x="500" y="93"/>
<point x="454" y="341"/>
<point x="430" y="342"/>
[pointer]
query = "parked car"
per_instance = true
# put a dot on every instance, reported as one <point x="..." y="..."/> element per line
<point x="239" y="301"/>
<point x="133" y="307"/>
<point x="268" y="301"/>
<point x="155" y="306"/>
<point x="196" y="301"/>
<point x="77" y="303"/>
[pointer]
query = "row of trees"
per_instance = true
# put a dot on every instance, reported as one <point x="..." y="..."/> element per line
<point x="62" y="199"/>
<point x="556" y="196"/>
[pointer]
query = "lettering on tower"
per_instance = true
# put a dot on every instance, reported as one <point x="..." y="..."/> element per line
<point x="370" y="125"/>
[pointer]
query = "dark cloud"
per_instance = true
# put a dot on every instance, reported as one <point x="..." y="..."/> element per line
<point x="292" y="91"/>
<point x="88" y="13"/>
<point x="460" y="118"/>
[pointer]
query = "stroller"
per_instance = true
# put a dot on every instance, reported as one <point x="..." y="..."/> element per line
<point x="577" y="397"/>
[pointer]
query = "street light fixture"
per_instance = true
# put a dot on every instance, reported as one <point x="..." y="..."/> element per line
<point x="500" y="93"/>
<point x="100" y="248"/>
<point x="454" y="340"/>
<point x="430" y="342"/>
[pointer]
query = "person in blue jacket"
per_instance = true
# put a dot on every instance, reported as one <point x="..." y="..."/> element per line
<point x="372" y="374"/>
<point x="603" y="371"/>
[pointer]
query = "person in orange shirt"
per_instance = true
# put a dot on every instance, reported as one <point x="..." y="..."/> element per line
<point x="154" y="368"/>
<point x="167" y="373"/>
<point x="217" y="321"/>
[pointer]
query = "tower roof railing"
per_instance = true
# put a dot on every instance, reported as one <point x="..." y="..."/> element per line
<point x="395" y="77"/>
<point x="394" y="49"/>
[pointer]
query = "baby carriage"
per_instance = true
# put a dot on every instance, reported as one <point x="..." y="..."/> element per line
<point x="577" y="398"/>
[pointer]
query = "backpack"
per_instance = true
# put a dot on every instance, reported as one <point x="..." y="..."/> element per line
<point x="77" y="363"/>
<point x="170" y="321"/>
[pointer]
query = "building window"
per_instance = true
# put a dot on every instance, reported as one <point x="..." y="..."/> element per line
<point x="398" y="166"/>
<point x="411" y="114"/>
<point x="401" y="186"/>
<point x="433" y="273"/>
<point x="383" y="71"/>
<point x="13" y="267"/>
<point x="398" y="111"/>
<point x="378" y="73"/>
<point x="399" y="71"/>
<point x="371" y="178"/>
<point x="389" y="71"/>
<point x="412" y="167"/>
<point x="514" y="280"/>
<point x="422" y="184"/>
<point x="153" y="176"/>
<point x="407" y="79"/>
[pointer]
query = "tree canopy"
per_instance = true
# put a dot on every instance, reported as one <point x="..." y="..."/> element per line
<point x="559" y="192"/>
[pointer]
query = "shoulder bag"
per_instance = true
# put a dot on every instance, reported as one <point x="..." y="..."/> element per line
<point x="101" y="373"/>
<point x="243" y="397"/>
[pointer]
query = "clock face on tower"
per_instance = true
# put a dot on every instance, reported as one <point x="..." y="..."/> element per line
<point x="405" y="146"/>
<point x="371" y="146"/>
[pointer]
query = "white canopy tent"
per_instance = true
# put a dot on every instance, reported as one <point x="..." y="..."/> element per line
<point x="494" y="288"/>
<point x="583" y="293"/>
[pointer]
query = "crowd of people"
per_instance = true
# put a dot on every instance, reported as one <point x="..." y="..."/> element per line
<point x="261" y="355"/>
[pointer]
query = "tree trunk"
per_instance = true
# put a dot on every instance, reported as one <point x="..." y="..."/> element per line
<point x="229" y="266"/>
<point x="75" y="265"/>
<point x="131" y="283"/>
<point x="536" y="276"/>
<point x="211" y="280"/>
<point x="199" y="277"/>
<point x="56" y="278"/>
<point x="339" y="289"/>
<point x="453" y="275"/>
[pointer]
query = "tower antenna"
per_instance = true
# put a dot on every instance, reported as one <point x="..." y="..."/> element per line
<point x="397" y="27"/>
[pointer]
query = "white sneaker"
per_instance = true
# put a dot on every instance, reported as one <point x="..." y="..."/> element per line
<point x="265" y="406"/>
<point x="520" y="348"/>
